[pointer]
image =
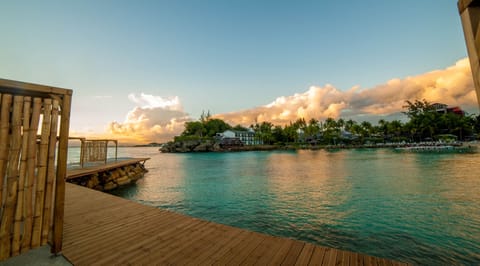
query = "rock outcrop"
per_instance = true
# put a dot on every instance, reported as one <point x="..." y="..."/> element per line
<point x="189" y="146"/>
<point x="111" y="179"/>
<point x="210" y="146"/>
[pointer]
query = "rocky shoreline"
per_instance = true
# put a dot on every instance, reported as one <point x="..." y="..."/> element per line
<point x="111" y="179"/>
<point x="211" y="146"/>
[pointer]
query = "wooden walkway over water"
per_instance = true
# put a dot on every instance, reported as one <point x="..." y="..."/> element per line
<point x="101" y="229"/>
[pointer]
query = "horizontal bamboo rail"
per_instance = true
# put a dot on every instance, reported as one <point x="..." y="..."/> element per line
<point x="34" y="125"/>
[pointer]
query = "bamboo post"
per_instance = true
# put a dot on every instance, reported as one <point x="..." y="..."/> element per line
<point x="17" y="228"/>
<point x="105" y="151"/>
<point x="4" y="143"/>
<point x="86" y="151"/>
<point x="30" y="177"/>
<point x="41" y="173"/>
<point x="98" y="150"/>
<point x="47" y="211"/>
<point x="61" y="175"/>
<point x="12" y="179"/>
<point x="82" y="152"/>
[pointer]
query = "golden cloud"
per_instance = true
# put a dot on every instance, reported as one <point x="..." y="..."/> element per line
<point x="453" y="86"/>
<point x="157" y="119"/>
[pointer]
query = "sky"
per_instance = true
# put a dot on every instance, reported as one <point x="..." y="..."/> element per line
<point x="141" y="69"/>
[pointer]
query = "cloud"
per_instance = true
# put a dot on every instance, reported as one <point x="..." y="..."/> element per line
<point x="151" y="101"/>
<point x="159" y="119"/>
<point x="453" y="86"/>
<point x="155" y="119"/>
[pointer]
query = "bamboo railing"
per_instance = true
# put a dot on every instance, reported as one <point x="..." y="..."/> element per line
<point x="94" y="150"/>
<point x="34" y="125"/>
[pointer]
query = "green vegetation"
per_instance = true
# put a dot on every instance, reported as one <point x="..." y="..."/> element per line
<point x="424" y="124"/>
<point x="207" y="127"/>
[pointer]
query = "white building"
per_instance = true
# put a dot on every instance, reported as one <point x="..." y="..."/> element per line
<point x="246" y="137"/>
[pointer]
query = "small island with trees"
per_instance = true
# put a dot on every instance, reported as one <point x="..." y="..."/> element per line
<point x="426" y="122"/>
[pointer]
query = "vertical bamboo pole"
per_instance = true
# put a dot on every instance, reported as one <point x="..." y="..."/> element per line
<point x="30" y="177"/>
<point x="97" y="150"/>
<point x="92" y="151"/>
<point x="87" y="151"/>
<point x="105" y="151"/>
<point x="12" y="179"/>
<point x="4" y="143"/>
<point x="41" y="173"/>
<point x="19" y="218"/>
<point x="61" y="174"/>
<point x="47" y="212"/>
<point x="82" y="152"/>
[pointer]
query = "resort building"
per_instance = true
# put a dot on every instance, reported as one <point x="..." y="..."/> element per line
<point x="245" y="137"/>
<point x="444" y="109"/>
<point x="348" y="135"/>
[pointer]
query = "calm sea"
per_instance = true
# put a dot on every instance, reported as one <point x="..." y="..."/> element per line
<point x="417" y="208"/>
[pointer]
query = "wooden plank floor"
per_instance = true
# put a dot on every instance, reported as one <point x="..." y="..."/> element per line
<point x="73" y="173"/>
<point x="101" y="229"/>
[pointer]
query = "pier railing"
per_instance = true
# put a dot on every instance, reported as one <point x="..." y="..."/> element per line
<point x="94" y="150"/>
<point x="34" y="127"/>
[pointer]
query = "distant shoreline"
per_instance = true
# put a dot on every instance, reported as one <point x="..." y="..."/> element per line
<point x="183" y="149"/>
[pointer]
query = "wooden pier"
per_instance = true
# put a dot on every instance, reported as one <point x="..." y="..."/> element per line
<point x="101" y="229"/>
<point x="109" y="175"/>
<point x="74" y="173"/>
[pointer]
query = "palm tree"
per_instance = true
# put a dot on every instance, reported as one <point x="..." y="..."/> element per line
<point x="383" y="127"/>
<point x="340" y="123"/>
<point x="349" y="125"/>
<point x="331" y="131"/>
<point x="367" y="128"/>
<point x="312" y="128"/>
<point x="394" y="128"/>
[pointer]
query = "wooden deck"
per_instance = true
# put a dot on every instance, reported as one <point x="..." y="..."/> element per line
<point x="101" y="229"/>
<point x="73" y="173"/>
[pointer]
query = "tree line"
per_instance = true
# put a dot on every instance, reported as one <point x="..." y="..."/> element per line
<point x="424" y="123"/>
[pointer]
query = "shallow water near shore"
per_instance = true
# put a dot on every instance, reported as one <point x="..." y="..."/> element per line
<point x="418" y="208"/>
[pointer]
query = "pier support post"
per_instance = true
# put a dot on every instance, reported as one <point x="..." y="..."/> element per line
<point x="470" y="14"/>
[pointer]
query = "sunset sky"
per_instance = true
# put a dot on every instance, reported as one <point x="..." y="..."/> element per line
<point x="140" y="69"/>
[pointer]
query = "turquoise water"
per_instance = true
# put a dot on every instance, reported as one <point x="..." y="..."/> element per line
<point x="417" y="208"/>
